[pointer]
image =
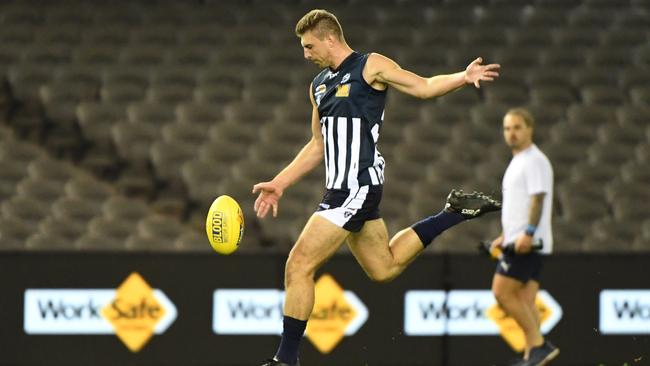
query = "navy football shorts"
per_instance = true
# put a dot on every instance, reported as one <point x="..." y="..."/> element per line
<point x="350" y="209"/>
<point x="521" y="267"/>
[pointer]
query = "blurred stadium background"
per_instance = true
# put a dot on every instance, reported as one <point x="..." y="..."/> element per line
<point x="122" y="121"/>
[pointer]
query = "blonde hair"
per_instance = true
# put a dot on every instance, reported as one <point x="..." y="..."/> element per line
<point x="321" y="22"/>
<point x="524" y="114"/>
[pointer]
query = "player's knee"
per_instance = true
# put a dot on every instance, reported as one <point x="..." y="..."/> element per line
<point x="381" y="276"/>
<point x="297" y="268"/>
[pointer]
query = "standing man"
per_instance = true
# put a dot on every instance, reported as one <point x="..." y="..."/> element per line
<point x="348" y="98"/>
<point x="525" y="218"/>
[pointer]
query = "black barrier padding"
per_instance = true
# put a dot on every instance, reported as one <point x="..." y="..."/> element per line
<point x="189" y="280"/>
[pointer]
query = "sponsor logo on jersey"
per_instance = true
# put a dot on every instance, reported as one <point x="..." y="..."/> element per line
<point x="343" y="90"/>
<point x="345" y="78"/>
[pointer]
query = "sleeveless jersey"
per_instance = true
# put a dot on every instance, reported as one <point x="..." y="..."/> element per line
<point x="351" y="113"/>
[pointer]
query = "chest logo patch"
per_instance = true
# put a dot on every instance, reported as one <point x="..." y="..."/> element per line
<point x="345" y="78"/>
<point x="343" y="90"/>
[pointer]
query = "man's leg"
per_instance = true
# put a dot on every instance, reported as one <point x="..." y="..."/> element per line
<point x="318" y="241"/>
<point x="528" y="295"/>
<point x="508" y="291"/>
<point x="383" y="261"/>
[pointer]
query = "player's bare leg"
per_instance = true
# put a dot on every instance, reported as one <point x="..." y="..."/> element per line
<point x="318" y="241"/>
<point x="507" y="292"/>
<point x="383" y="261"/>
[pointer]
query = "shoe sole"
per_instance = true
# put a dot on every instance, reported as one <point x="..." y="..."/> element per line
<point x="550" y="357"/>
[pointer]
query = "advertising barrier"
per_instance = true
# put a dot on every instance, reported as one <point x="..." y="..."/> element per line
<point x="204" y="309"/>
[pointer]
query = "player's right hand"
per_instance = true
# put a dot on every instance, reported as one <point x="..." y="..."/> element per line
<point x="270" y="193"/>
<point x="497" y="243"/>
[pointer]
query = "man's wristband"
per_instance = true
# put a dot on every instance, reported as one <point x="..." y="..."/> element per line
<point x="530" y="230"/>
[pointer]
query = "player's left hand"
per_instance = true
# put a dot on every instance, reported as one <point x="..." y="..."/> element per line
<point x="475" y="72"/>
<point x="524" y="244"/>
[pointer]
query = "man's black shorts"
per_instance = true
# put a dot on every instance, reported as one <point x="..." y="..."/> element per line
<point x="521" y="267"/>
<point x="350" y="209"/>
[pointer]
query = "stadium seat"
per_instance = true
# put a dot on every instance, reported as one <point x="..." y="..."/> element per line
<point x="112" y="36"/>
<point x="46" y="55"/>
<point x="67" y="35"/>
<point x="156" y="114"/>
<point x="184" y="133"/>
<point x="161" y="228"/>
<point x="154" y="35"/>
<point x="636" y="172"/>
<point x="169" y="94"/>
<point x="234" y="132"/>
<point x="613" y="57"/>
<point x="594" y="77"/>
<point x="552" y="95"/>
<point x="87" y="188"/>
<point x="119" y="75"/>
<point x="14" y="233"/>
<point x="26" y="81"/>
<point x="122" y="93"/>
<point x="62" y="228"/>
<point x="593" y="17"/>
<point x="97" y="119"/>
<point x="613" y="132"/>
<point x="40" y="241"/>
<point x="111" y="228"/>
<point x="589" y="115"/>
<point x="601" y="96"/>
<point x="188" y="56"/>
<point x="133" y="140"/>
<point x="610" y="154"/>
<point x="142" y="56"/>
<point x="26" y="209"/>
<point x="90" y="242"/>
<point x="217" y="95"/>
<point x="203" y="35"/>
<point x="192" y="241"/>
<point x="546" y="16"/>
<point x="562" y="57"/>
<point x="568" y="236"/>
<point x="595" y="173"/>
<point x="640" y="96"/>
<point x="41" y="190"/>
<point x="167" y="157"/>
<point x="121" y="208"/>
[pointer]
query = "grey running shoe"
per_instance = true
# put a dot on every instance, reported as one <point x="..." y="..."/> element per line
<point x="471" y="205"/>
<point x="542" y="355"/>
<point x="274" y="362"/>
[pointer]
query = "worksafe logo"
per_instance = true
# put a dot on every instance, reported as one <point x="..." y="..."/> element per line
<point x="337" y="313"/>
<point x="470" y="312"/>
<point x="625" y="311"/>
<point x="134" y="312"/>
<point x="549" y="312"/>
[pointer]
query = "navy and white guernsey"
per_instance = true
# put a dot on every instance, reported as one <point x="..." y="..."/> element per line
<point x="351" y="113"/>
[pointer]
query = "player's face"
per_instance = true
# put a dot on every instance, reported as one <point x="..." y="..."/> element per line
<point x="515" y="132"/>
<point x="315" y="50"/>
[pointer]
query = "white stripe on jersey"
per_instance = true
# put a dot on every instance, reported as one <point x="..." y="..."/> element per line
<point x="331" y="162"/>
<point x="355" y="148"/>
<point x="373" y="176"/>
<point x="342" y="144"/>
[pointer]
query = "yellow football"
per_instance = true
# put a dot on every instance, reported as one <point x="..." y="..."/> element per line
<point x="224" y="225"/>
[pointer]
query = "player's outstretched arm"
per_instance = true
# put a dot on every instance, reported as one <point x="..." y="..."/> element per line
<point x="307" y="159"/>
<point x="382" y="70"/>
